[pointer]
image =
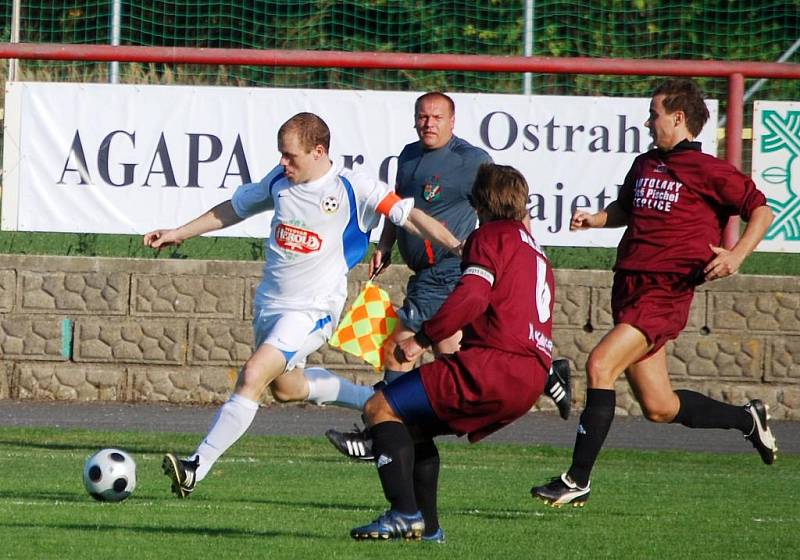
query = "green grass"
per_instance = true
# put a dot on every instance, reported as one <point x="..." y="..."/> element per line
<point x="228" y="248"/>
<point x="276" y="497"/>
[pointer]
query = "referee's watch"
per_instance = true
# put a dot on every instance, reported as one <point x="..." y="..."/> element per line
<point x="422" y="339"/>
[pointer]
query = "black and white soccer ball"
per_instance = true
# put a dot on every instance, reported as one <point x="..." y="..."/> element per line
<point x="109" y="475"/>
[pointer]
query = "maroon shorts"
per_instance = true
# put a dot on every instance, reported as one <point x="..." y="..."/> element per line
<point x="477" y="391"/>
<point x="656" y="303"/>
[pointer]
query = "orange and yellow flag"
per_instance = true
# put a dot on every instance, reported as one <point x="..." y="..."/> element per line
<point x="366" y="325"/>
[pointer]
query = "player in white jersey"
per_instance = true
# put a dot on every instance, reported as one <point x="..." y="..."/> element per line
<point x="320" y="230"/>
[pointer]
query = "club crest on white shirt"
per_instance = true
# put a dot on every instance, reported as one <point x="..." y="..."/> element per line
<point x="329" y="205"/>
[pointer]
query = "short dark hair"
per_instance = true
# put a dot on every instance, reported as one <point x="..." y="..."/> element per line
<point x="500" y="192"/>
<point x="434" y="95"/>
<point x="311" y="130"/>
<point x="684" y="95"/>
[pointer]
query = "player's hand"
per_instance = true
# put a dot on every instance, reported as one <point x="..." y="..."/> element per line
<point x="161" y="238"/>
<point x="408" y="350"/>
<point x="378" y="263"/>
<point x="725" y="263"/>
<point x="585" y="220"/>
<point x="458" y="250"/>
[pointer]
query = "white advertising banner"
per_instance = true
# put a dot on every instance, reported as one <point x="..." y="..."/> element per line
<point x="128" y="159"/>
<point x="776" y="170"/>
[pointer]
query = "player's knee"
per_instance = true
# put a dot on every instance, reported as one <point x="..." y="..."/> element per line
<point x="658" y="414"/>
<point x="598" y="370"/>
<point x="371" y="409"/>
<point x="251" y="382"/>
<point x="377" y="409"/>
<point x="246" y="378"/>
<point x="284" y="390"/>
<point x="282" y="396"/>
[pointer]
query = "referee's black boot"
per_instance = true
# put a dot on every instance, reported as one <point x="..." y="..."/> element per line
<point x="558" y="387"/>
<point x="355" y="445"/>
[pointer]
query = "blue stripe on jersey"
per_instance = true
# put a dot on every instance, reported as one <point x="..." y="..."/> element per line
<point x="275" y="179"/>
<point x="354" y="241"/>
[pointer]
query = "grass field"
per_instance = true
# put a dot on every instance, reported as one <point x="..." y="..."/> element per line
<point x="276" y="497"/>
<point x="227" y="248"/>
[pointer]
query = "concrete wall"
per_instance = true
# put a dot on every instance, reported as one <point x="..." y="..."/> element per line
<point x="177" y="331"/>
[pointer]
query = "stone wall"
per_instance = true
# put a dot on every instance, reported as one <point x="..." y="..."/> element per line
<point x="177" y="331"/>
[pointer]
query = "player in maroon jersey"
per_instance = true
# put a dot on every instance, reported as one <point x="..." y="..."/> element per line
<point x="675" y="202"/>
<point x="503" y="303"/>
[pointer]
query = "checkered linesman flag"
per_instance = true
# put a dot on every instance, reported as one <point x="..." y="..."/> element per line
<point x="366" y="325"/>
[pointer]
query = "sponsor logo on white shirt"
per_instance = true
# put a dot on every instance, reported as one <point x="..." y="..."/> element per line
<point x="297" y="240"/>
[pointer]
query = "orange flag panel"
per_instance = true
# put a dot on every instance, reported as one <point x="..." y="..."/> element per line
<point x="366" y="326"/>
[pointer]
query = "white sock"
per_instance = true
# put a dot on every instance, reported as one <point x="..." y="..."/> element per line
<point x="325" y="387"/>
<point x="229" y="424"/>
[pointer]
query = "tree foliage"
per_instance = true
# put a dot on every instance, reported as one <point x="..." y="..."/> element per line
<point x="641" y="29"/>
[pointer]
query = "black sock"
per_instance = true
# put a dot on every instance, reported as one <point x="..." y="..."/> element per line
<point x="700" y="411"/>
<point x="426" y="482"/>
<point x="394" y="454"/>
<point x="592" y="431"/>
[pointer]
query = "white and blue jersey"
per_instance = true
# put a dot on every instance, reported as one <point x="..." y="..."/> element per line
<point x="319" y="231"/>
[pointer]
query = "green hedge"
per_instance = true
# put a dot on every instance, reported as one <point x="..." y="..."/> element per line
<point x="227" y="248"/>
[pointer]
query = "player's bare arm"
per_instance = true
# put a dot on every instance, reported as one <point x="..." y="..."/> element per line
<point x="219" y="217"/>
<point x="727" y="262"/>
<point x="611" y="217"/>
<point x="422" y="225"/>
<point x="401" y="212"/>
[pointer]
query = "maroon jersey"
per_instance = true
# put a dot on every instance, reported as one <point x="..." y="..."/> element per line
<point x="504" y="305"/>
<point x="679" y="202"/>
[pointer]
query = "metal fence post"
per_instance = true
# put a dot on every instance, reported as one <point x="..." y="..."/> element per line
<point x="733" y="145"/>
<point x="116" y="9"/>
<point x="13" y="63"/>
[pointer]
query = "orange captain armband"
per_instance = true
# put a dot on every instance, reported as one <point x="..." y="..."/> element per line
<point x="385" y="205"/>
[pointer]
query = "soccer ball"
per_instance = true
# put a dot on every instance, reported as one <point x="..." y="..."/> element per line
<point x="109" y="475"/>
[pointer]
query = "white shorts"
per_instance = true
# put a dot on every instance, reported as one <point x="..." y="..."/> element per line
<point x="295" y="333"/>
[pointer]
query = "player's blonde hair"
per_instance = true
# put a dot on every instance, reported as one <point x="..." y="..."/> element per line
<point x="500" y="192"/>
<point x="311" y="131"/>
